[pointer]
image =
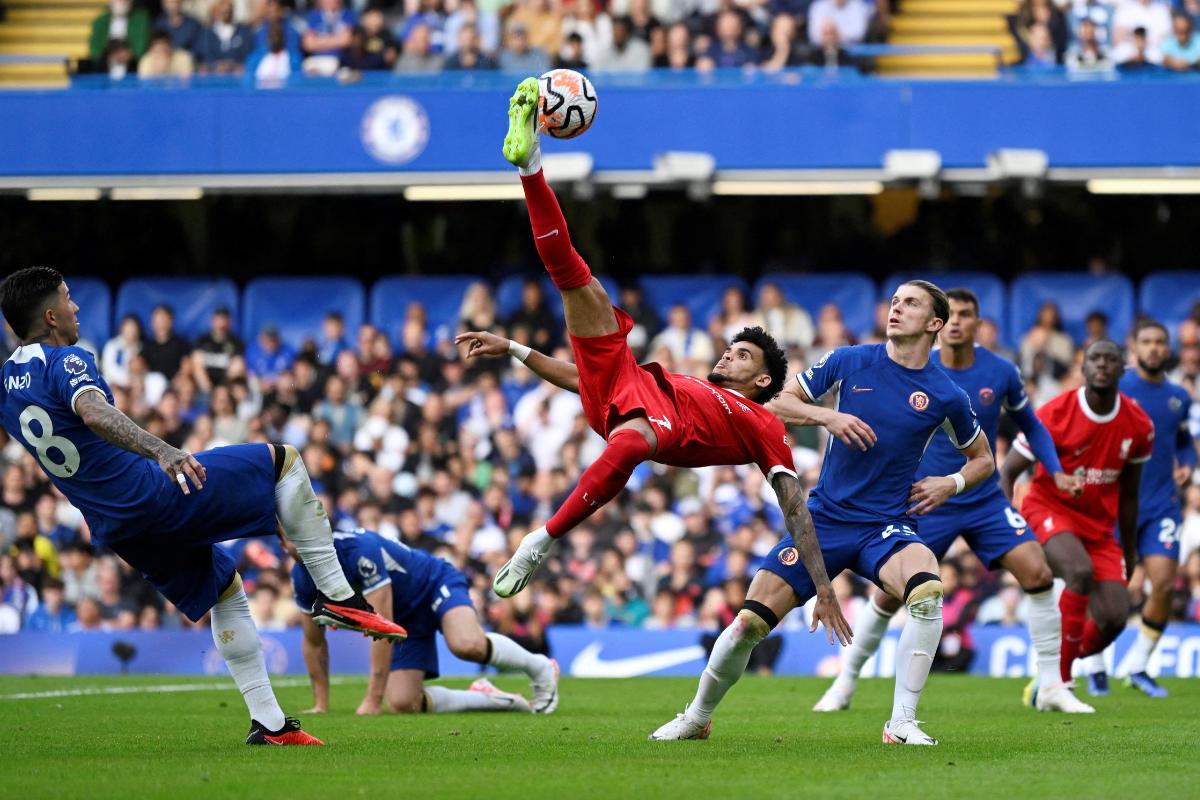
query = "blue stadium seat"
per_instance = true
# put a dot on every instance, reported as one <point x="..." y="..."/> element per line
<point x="852" y="292"/>
<point x="297" y="305"/>
<point x="700" y="293"/>
<point x="94" y="299"/>
<point x="991" y="291"/>
<point x="192" y="299"/>
<point x="441" y="296"/>
<point x="1169" y="296"/>
<point x="1077" y="295"/>
<point x="508" y="294"/>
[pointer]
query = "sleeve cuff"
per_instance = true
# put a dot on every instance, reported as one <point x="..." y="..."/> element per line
<point x="90" y="387"/>
<point x="1141" y="460"/>
<point x="778" y="468"/>
<point x="1024" y="402"/>
<point x="971" y="441"/>
<point x="379" y="585"/>
<point x="1023" y="449"/>
<point x="805" y="388"/>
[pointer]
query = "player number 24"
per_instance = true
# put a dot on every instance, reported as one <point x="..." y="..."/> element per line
<point x="47" y="441"/>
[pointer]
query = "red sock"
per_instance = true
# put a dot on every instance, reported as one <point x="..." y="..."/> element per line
<point x="1074" y="612"/>
<point x="567" y="268"/>
<point x="1093" y="640"/>
<point x="601" y="481"/>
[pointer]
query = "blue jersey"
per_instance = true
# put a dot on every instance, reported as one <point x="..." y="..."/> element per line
<point x="1167" y="405"/>
<point x="371" y="562"/>
<point x="109" y="485"/>
<point x="905" y="407"/>
<point x="991" y="383"/>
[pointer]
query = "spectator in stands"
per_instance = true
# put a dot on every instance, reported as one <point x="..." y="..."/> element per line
<point x="185" y="30"/>
<point x="120" y="351"/>
<point x="216" y="350"/>
<point x="226" y="44"/>
<point x="1099" y="12"/>
<point x="118" y="60"/>
<point x="270" y="356"/>
<point x="1181" y="51"/>
<point x="418" y="55"/>
<point x="478" y="309"/>
<point x="729" y="48"/>
<point x="789" y="323"/>
<point x="782" y="48"/>
<point x="485" y="23"/>
<point x="275" y="12"/>
<point x="831" y="331"/>
<point x="542" y="20"/>
<point x="830" y="54"/>
<point x="1045" y="348"/>
<point x="645" y="321"/>
<point x="165" y="351"/>
<point x="594" y="31"/>
<point x="1087" y="52"/>
<point x="1138" y="56"/>
<point x="732" y="317"/>
<point x="468" y="55"/>
<point x="52" y="615"/>
<point x="533" y="323"/>
<point x="685" y="343"/>
<point x="119" y="22"/>
<point x="625" y="53"/>
<point x="430" y="14"/>
<point x="571" y="54"/>
<point x="1192" y="9"/>
<point x="678" y="54"/>
<point x="329" y="29"/>
<point x="163" y="60"/>
<point x="1153" y="16"/>
<point x="57" y="535"/>
<point x="517" y="55"/>
<point x="1039" y="48"/>
<point x="851" y="17"/>
<point x="1041" y="12"/>
<point x="1095" y="328"/>
<point x="332" y="341"/>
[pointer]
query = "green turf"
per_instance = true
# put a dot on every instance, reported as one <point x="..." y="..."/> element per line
<point x="765" y="743"/>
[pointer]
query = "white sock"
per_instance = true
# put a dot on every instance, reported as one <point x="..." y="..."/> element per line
<point x="450" y="701"/>
<point x="1094" y="663"/>
<point x="303" y="518"/>
<point x="872" y="625"/>
<point x="534" y="164"/>
<point x="728" y="661"/>
<point x="914" y="656"/>
<point x="1143" y="648"/>
<point x="508" y="656"/>
<point x="237" y="640"/>
<point x="1045" y="631"/>
<point x="539" y="539"/>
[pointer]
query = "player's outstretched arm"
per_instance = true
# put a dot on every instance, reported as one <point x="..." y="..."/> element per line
<point x="1014" y="467"/>
<point x="316" y="660"/>
<point x="793" y="407"/>
<point x="1127" y="514"/>
<point x="381" y="655"/>
<point x="110" y="424"/>
<point x="800" y="525"/>
<point x="1042" y="446"/>
<point x="562" y="374"/>
<point x="929" y="493"/>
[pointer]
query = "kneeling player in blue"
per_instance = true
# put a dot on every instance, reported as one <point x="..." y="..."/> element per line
<point x="984" y="518"/>
<point x="159" y="508"/>
<point x="425" y="595"/>
<point x="861" y="505"/>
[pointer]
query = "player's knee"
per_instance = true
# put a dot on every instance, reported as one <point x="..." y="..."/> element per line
<point x="1037" y="579"/>
<point x="472" y="647"/>
<point x="1078" y="578"/>
<point x="923" y="596"/>
<point x="755" y="621"/>
<point x="408" y="704"/>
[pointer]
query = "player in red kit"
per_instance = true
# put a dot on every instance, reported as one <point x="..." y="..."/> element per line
<point x="1104" y="437"/>
<point x="644" y="412"/>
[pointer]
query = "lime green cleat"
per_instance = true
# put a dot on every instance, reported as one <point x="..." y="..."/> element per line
<point x="522" y="139"/>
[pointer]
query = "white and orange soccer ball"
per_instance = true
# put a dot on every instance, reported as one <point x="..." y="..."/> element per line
<point x="568" y="103"/>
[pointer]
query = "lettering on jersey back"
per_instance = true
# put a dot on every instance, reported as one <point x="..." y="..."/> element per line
<point x="15" y="382"/>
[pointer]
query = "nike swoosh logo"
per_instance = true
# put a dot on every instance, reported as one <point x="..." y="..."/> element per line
<point x="548" y="235"/>
<point x="588" y="663"/>
<point x="1079" y="452"/>
<point x="862" y="389"/>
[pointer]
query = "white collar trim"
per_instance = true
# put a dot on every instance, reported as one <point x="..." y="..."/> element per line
<point x="26" y="353"/>
<point x="1092" y="415"/>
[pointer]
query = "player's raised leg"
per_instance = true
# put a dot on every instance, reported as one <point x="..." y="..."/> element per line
<point x="302" y="516"/>
<point x="1027" y="563"/>
<point x="911" y="574"/>
<point x="1155" y="612"/>
<point x="467" y="640"/>
<point x="871" y="625"/>
<point x="768" y="600"/>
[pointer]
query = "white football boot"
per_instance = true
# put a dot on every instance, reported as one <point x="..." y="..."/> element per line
<point x="905" y="731"/>
<point x="515" y="575"/>
<point x="1061" y="698"/>
<point x="545" y="689"/>
<point x="836" y="698"/>
<point x="682" y="727"/>
<point x="504" y="701"/>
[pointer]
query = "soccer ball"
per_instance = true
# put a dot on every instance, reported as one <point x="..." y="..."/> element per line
<point x="568" y="103"/>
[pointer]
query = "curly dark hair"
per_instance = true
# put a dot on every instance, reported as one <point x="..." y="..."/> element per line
<point x="25" y="294"/>
<point x="773" y="358"/>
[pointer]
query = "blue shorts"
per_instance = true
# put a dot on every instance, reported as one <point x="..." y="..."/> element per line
<point x="862" y="547"/>
<point x="177" y="552"/>
<point x="1158" y="534"/>
<point x="991" y="528"/>
<point x="419" y="650"/>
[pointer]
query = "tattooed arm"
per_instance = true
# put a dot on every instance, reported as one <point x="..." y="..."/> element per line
<point x="800" y="526"/>
<point x="107" y="422"/>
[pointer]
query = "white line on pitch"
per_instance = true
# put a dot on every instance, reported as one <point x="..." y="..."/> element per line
<point x="283" y="683"/>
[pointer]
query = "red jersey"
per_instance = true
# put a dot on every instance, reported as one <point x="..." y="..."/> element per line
<point x="1096" y="447"/>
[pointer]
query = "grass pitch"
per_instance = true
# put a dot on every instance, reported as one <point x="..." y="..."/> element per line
<point x="766" y="742"/>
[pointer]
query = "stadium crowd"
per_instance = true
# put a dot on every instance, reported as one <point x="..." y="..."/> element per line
<point x="461" y="459"/>
<point x="1100" y="35"/>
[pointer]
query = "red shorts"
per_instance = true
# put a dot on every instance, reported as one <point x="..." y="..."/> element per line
<point x="1108" y="562"/>
<point x="614" y="388"/>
